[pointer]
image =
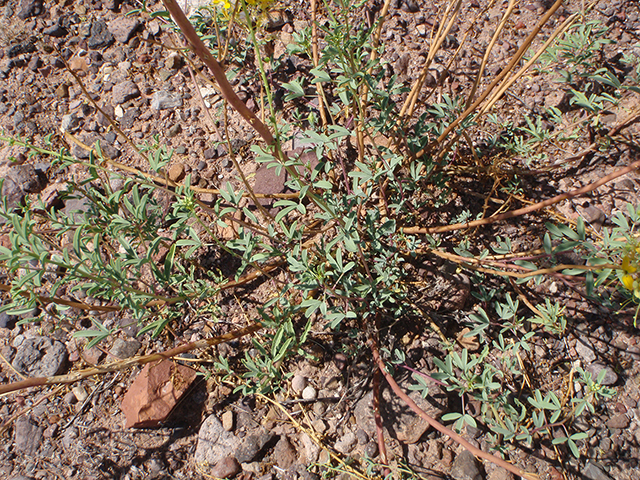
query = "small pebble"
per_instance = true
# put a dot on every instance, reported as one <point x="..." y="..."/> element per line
<point x="309" y="393"/>
<point x="227" y="420"/>
<point x="298" y="383"/>
<point x="80" y="393"/>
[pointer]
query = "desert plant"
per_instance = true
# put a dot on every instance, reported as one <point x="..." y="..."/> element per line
<point x="341" y="244"/>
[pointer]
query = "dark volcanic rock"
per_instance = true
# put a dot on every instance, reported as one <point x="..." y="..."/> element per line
<point x="40" y="357"/>
<point x="29" y="8"/>
<point x="100" y="36"/>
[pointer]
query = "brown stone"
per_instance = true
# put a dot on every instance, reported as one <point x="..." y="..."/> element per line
<point x="176" y="172"/>
<point x="226" y="468"/>
<point x="154" y="393"/>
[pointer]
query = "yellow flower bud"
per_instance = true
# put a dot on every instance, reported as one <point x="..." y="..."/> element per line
<point x="627" y="281"/>
<point x="626" y="265"/>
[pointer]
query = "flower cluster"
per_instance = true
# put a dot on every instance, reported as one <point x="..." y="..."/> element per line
<point x="631" y="276"/>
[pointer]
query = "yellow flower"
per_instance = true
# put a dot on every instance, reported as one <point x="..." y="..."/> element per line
<point x="626" y="265"/>
<point x="627" y="281"/>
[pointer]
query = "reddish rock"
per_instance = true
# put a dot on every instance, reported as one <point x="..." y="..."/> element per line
<point x="155" y="392"/>
<point x="226" y="468"/>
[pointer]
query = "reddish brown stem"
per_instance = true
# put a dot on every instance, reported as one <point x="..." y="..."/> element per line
<point x="441" y="428"/>
<point x="225" y="87"/>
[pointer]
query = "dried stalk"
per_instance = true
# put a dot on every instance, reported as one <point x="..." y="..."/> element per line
<point x="529" y="209"/>
<point x="126" y="364"/>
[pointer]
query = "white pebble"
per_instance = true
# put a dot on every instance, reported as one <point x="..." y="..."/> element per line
<point x="309" y="393"/>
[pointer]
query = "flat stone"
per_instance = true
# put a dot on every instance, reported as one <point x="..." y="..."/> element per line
<point x="90" y="139"/>
<point x="27" y="436"/>
<point x="40" y="357"/>
<point x="226" y="468"/>
<point x="155" y="392"/>
<point x="618" y="421"/>
<point x="124" y="91"/>
<point x="56" y="30"/>
<point x="610" y="377"/>
<point x="214" y="442"/>
<point x="122" y="349"/>
<point x="593" y="471"/>
<point x="585" y="349"/>
<point x="163" y="100"/>
<point x="466" y="467"/>
<point x="123" y="28"/>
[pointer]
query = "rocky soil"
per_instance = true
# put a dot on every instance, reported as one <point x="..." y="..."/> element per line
<point x="130" y="68"/>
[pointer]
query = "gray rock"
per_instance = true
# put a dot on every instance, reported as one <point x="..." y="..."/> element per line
<point x="163" y="100"/>
<point x="124" y="348"/>
<point x="593" y="471"/>
<point x="298" y="383"/>
<point x="123" y="28"/>
<point x="124" y="91"/>
<point x="610" y="377"/>
<point x="284" y="454"/>
<point x="410" y="6"/>
<point x="99" y="36"/>
<point x="56" y="30"/>
<point x="8" y="321"/>
<point x="226" y="468"/>
<point x="70" y="123"/>
<point x="27" y="436"/>
<point x="399" y="420"/>
<point x="252" y="445"/>
<point x="40" y="357"/>
<point x="29" y="8"/>
<point x="214" y="442"/>
<point x="174" y="62"/>
<point x="28" y="46"/>
<point x="585" y="349"/>
<point x="174" y="130"/>
<point x="466" y="467"/>
<point x="346" y="443"/>
<point x="90" y="140"/>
